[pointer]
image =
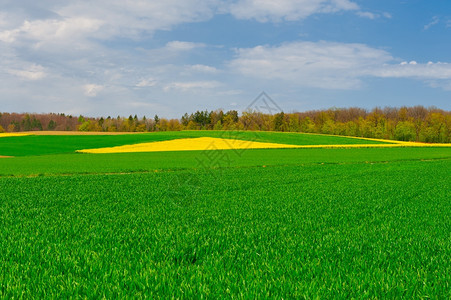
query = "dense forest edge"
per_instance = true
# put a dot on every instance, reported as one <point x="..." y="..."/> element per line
<point x="417" y="123"/>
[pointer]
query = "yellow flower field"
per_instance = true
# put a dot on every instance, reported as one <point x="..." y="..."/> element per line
<point x="397" y="145"/>
<point x="208" y="143"/>
<point x="203" y="143"/>
<point x="13" y="134"/>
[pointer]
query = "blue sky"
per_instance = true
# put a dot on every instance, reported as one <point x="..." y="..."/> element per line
<point x="115" y="57"/>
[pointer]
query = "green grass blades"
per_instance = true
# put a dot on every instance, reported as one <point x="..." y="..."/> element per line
<point x="270" y="223"/>
<point x="64" y="164"/>
<point x="314" y="231"/>
<point x="57" y="144"/>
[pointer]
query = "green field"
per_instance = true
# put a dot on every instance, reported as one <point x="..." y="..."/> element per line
<point x="55" y="144"/>
<point x="271" y="223"/>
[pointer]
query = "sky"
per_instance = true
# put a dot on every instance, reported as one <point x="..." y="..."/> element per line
<point x="144" y="57"/>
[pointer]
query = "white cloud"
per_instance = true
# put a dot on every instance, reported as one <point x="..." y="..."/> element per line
<point x="91" y="90"/>
<point x="322" y="64"/>
<point x="183" y="46"/>
<point x="149" y="82"/>
<point x="7" y="36"/>
<point x="329" y="65"/>
<point x="427" y="71"/>
<point x="445" y="85"/>
<point x="193" y="85"/>
<point x="373" y="15"/>
<point x="129" y="19"/>
<point x="202" y="69"/>
<point x="387" y="15"/>
<point x="106" y="19"/>
<point x="367" y="14"/>
<point x="435" y="21"/>
<point x="79" y="21"/>
<point x="290" y="10"/>
<point x="52" y="30"/>
<point x="33" y="72"/>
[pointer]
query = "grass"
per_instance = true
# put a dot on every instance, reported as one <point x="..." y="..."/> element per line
<point x="329" y="231"/>
<point x="64" y="164"/>
<point x="54" y="144"/>
<point x="270" y="223"/>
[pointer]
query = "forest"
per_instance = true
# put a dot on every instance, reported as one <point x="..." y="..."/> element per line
<point x="417" y="123"/>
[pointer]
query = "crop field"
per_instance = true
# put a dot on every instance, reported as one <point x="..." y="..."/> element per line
<point x="55" y="144"/>
<point x="346" y="222"/>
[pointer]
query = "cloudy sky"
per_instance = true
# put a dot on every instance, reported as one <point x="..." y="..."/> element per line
<point x="147" y="57"/>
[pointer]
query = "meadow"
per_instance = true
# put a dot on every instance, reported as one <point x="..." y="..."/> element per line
<point x="277" y="223"/>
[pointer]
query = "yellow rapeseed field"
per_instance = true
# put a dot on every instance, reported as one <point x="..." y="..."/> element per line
<point x="13" y="134"/>
<point x="203" y="143"/>
<point x="208" y="143"/>
<point x="395" y="145"/>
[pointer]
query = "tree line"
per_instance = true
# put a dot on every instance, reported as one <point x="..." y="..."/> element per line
<point x="417" y="123"/>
